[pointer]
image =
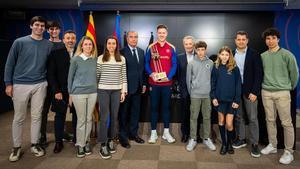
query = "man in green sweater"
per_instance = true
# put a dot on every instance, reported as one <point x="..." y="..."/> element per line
<point x="280" y="76"/>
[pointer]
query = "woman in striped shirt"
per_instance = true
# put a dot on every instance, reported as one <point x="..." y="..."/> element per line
<point x="112" y="89"/>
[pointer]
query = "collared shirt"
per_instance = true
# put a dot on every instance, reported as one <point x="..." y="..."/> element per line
<point x="190" y="57"/>
<point x="240" y="61"/>
<point x="83" y="56"/>
<point x="71" y="53"/>
<point x="131" y="48"/>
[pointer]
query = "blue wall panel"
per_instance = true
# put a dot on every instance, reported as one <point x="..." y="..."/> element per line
<point x="288" y="22"/>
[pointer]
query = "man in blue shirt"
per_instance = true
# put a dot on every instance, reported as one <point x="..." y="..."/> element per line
<point x="250" y="65"/>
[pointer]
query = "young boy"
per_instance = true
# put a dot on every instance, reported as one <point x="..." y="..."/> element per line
<point x="198" y="84"/>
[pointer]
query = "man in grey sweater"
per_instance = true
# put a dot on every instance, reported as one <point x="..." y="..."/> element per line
<point x="25" y="79"/>
<point x="198" y="84"/>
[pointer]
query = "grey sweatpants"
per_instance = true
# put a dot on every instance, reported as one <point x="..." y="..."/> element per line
<point x="22" y="93"/>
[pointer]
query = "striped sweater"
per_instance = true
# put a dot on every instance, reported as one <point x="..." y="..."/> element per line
<point x="112" y="75"/>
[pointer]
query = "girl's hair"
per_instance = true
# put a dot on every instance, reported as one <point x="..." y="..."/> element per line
<point x="106" y="54"/>
<point x="79" y="47"/>
<point x="231" y="64"/>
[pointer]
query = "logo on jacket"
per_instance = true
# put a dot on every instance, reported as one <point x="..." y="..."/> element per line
<point x="207" y="66"/>
<point x="167" y="50"/>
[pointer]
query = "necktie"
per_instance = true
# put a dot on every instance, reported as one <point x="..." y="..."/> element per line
<point x="134" y="54"/>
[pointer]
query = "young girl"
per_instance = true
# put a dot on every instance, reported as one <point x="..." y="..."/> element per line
<point x="82" y="86"/>
<point x="225" y="94"/>
<point x="112" y="88"/>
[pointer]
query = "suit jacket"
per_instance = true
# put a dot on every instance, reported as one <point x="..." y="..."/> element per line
<point x="135" y="70"/>
<point x="181" y="74"/>
<point x="253" y="73"/>
<point x="58" y="69"/>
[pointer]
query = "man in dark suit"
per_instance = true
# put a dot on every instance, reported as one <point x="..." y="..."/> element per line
<point x="58" y="68"/>
<point x="129" y="112"/>
<point x="183" y="60"/>
<point x="250" y="65"/>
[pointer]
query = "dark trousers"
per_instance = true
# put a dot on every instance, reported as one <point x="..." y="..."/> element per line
<point x="129" y="115"/>
<point x="185" y="103"/>
<point x="160" y="96"/>
<point x="185" y="115"/>
<point x="60" y="108"/>
<point x="45" y="112"/>
<point x="109" y="101"/>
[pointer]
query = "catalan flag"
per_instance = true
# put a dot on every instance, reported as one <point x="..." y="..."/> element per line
<point x="90" y="31"/>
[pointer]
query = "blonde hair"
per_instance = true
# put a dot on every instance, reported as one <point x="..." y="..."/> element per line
<point x="79" y="47"/>
<point x="231" y="64"/>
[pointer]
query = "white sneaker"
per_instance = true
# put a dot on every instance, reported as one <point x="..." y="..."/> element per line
<point x="167" y="136"/>
<point x="37" y="150"/>
<point x="15" y="154"/>
<point x="286" y="158"/>
<point x="191" y="145"/>
<point x="153" y="138"/>
<point x="269" y="150"/>
<point x="209" y="144"/>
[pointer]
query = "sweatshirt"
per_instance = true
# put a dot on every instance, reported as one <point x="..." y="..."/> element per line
<point x="226" y="86"/>
<point x="82" y="75"/>
<point x="27" y="61"/>
<point x="198" y="77"/>
<point x="167" y="62"/>
<point x="280" y="70"/>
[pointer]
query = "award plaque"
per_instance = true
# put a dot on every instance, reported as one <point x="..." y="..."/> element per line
<point x="160" y="74"/>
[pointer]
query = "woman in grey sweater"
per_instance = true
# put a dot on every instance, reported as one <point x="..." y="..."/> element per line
<point x="82" y="86"/>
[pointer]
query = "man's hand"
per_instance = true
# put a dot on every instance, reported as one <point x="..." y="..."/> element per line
<point x="70" y="101"/>
<point x="144" y="89"/>
<point x="215" y="102"/>
<point x="252" y="97"/>
<point x="152" y="75"/>
<point x="58" y="96"/>
<point x="9" y="90"/>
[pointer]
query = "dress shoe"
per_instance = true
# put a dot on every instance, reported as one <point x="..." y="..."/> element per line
<point x="230" y="149"/>
<point x="125" y="144"/>
<point x="137" y="139"/>
<point x="223" y="150"/>
<point x="58" y="147"/>
<point x="184" y="138"/>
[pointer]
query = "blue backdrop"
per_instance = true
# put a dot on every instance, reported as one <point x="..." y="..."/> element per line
<point x="288" y="22"/>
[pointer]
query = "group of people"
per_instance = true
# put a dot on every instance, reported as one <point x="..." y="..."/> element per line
<point x="76" y="79"/>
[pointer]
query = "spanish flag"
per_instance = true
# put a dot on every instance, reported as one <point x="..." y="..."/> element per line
<point x="90" y="32"/>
